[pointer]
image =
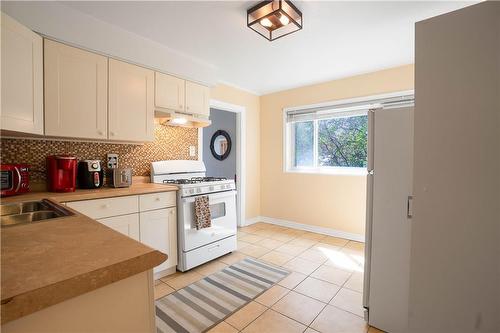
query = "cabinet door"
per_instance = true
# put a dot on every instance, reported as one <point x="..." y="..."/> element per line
<point x="169" y="92"/>
<point x="22" y="78"/>
<point x="131" y="102"/>
<point x="158" y="229"/>
<point x="125" y="224"/>
<point x="197" y="99"/>
<point x="76" y="93"/>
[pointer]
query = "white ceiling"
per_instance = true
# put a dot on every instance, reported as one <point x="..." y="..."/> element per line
<point x="339" y="39"/>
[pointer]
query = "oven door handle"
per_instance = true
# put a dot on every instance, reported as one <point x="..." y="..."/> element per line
<point x="18" y="178"/>
<point x="210" y="196"/>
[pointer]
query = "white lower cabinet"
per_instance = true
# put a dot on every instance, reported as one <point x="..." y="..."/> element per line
<point x="158" y="229"/>
<point x="125" y="224"/>
<point x="148" y="218"/>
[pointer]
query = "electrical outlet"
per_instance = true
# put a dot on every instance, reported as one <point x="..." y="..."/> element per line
<point x="192" y="151"/>
<point x="112" y="161"/>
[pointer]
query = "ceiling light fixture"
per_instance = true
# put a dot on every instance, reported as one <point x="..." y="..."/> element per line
<point x="274" y="19"/>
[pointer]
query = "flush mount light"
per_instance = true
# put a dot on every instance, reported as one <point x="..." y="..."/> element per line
<point x="274" y="19"/>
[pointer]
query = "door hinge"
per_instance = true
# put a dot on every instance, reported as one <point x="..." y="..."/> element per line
<point x="409" y="207"/>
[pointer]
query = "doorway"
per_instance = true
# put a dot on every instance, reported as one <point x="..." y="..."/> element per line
<point x="232" y="114"/>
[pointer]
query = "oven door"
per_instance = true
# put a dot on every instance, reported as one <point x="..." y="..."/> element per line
<point x="223" y="212"/>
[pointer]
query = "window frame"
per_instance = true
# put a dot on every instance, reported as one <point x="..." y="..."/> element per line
<point x="289" y="145"/>
<point x="371" y="102"/>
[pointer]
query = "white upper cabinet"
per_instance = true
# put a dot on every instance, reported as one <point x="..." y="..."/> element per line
<point x="76" y="92"/>
<point x="131" y="102"/>
<point x="169" y="92"/>
<point x="197" y="99"/>
<point x="22" y="78"/>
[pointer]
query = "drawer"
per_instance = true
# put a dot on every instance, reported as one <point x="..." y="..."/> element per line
<point x="157" y="200"/>
<point x="206" y="253"/>
<point x="101" y="208"/>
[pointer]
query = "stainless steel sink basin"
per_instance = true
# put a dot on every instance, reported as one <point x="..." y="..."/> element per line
<point x="23" y="207"/>
<point x="31" y="211"/>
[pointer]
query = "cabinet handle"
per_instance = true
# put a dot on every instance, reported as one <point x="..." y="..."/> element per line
<point x="112" y="133"/>
<point x="100" y="132"/>
<point x="105" y="206"/>
<point x="157" y="199"/>
<point x="180" y="106"/>
<point x="187" y="107"/>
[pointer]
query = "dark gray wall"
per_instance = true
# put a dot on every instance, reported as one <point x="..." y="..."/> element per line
<point x="221" y="120"/>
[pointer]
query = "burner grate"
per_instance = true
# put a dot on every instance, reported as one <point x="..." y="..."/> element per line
<point x="194" y="180"/>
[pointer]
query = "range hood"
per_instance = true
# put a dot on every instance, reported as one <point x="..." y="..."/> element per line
<point x="172" y="118"/>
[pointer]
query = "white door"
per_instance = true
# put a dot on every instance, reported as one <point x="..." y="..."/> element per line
<point x="76" y="92"/>
<point x="125" y="224"/>
<point x="169" y="92"/>
<point x="131" y="102"/>
<point x="390" y="229"/>
<point x="158" y="229"/>
<point x="223" y="212"/>
<point x="22" y="78"/>
<point x="197" y="99"/>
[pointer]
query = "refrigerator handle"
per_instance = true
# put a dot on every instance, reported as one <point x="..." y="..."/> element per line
<point x="409" y="207"/>
<point x="371" y="138"/>
<point x="368" y="240"/>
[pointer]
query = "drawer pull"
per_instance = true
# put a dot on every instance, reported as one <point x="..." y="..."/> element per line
<point x="213" y="248"/>
<point x="105" y="206"/>
<point x="157" y="199"/>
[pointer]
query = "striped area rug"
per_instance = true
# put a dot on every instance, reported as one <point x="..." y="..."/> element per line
<point x="205" y="303"/>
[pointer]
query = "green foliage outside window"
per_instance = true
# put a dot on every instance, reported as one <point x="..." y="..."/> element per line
<point x="341" y="142"/>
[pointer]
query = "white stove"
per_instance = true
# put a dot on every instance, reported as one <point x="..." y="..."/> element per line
<point x="196" y="247"/>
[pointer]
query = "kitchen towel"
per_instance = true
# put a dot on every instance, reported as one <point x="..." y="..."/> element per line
<point x="202" y="211"/>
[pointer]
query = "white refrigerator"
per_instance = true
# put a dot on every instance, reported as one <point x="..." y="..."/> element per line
<point x="388" y="229"/>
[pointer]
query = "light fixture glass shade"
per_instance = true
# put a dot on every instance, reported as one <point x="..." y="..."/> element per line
<point x="274" y="19"/>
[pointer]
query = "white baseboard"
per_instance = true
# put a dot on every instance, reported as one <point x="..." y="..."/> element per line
<point x="306" y="227"/>
<point x="252" y="221"/>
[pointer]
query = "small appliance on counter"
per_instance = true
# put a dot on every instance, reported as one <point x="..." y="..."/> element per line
<point x="15" y="179"/>
<point x="120" y="177"/>
<point x="61" y="173"/>
<point x="90" y="174"/>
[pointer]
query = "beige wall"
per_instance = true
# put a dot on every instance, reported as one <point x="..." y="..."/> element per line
<point x="331" y="201"/>
<point x="252" y="104"/>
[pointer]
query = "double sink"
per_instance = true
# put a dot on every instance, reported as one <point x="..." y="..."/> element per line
<point x="20" y="213"/>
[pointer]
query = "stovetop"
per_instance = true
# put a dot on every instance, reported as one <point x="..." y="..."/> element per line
<point x="193" y="180"/>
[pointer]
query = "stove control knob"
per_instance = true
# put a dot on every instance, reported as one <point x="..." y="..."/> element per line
<point x="94" y="165"/>
<point x="191" y="191"/>
<point x="211" y="188"/>
<point x="198" y="190"/>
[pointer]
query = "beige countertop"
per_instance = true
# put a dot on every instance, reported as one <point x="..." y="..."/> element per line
<point x="48" y="262"/>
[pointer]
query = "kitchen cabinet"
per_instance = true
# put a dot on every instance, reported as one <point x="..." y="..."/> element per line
<point x="108" y="207"/>
<point x="76" y="92"/>
<point x="125" y="224"/>
<point x="197" y="99"/>
<point x="22" y="78"/>
<point x="131" y="102"/>
<point x="148" y="218"/>
<point x="169" y="92"/>
<point x="158" y="229"/>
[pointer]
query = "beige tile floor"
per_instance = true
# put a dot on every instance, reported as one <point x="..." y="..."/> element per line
<point x="322" y="294"/>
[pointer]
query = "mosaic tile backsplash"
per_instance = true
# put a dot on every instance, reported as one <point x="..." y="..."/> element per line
<point x="171" y="143"/>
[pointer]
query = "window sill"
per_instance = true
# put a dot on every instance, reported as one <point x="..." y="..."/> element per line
<point x="330" y="171"/>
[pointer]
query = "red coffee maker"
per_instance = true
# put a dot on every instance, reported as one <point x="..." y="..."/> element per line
<point x="61" y="173"/>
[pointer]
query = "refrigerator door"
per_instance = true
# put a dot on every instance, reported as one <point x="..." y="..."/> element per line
<point x="369" y="211"/>
<point x="390" y="227"/>
<point x="368" y="242"/>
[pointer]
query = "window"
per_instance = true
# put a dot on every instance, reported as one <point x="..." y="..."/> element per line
<point x="327" y="141"/>
<point x="333" y="137"/>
